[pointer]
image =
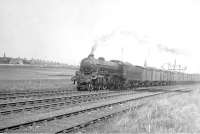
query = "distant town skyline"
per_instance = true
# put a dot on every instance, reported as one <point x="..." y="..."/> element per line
<point x="23" y="60"/>
<point x="4" y="55"/>
<point x="156" y="31"/>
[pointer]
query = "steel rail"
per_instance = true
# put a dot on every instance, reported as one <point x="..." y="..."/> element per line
<point x="39" y="93"/>
<point x="38" y="104"/>
<point x="14" y="95"/>
<point x="61" y="101"/>
<point x="63" y="113"/>
<point x="94" y="117"/>
<point x="45" y="99"/>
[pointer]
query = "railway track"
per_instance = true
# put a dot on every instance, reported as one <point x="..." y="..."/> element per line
<point x="45" y="104"/>
<point x="11" y="95"/>
<point x="66" y="120"/>
<point x="30" y="94"/>
<point x="55" y="102"/>
<point x="99" y="114"/>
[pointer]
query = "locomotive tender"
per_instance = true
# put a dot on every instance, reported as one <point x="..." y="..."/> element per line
<point x="97" y="74"/>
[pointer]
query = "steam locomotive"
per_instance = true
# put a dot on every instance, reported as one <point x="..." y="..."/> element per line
<point x="98" y="74"/>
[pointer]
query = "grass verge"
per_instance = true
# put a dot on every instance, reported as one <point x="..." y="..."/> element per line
<point x="178" y="114"/>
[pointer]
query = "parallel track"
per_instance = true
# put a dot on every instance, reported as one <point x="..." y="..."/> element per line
<point x="105" y="112"/>
<point x="55" y="102"/>
<point x="44" y="104"/>
<point x="43" y="120"/>
<point x="29" y="94"/>
<point x="10" y="95"/>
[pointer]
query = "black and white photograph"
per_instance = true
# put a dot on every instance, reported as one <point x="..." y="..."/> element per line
<point x="99" y="66"/>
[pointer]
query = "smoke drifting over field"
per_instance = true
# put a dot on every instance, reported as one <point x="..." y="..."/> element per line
<point x="106" y="37"/>
<point x="137" y="49"/>
<point x="101" y="40"/>
<point x="169" y="50"/>
<point x="141" y="40"/>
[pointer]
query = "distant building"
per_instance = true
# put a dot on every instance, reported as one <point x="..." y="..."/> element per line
<point x="16" y="61"/>
<point x="9" y="60"/>
<point x="4" y="59"/>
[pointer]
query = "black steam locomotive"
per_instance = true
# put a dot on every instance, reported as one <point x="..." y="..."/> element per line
<point x="97" y="74"/>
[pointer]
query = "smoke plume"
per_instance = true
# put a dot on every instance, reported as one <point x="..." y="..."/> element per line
<point x="141" y="40"/>
<point x="102" y="39"/>
<point x="93" y="48"/>
<point x="110" y="35"/>
<point x="169" y="50"/>
<point x="134" y="35"/>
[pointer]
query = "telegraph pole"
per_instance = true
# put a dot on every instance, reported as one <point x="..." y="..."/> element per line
<point x="4" y="55"/>
<point x="145" y="63"/>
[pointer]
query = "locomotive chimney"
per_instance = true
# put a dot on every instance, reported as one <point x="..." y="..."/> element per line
<point x="91" y="55"/>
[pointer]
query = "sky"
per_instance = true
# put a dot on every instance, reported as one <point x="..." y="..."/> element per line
<point x="156" y="31"/>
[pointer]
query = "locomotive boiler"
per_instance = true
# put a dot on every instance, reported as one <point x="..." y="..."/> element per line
<point x="97" y="74"/>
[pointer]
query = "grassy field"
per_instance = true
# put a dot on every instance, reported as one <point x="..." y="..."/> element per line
<point x="34" y="77"/>
<point x="179" y="114"/>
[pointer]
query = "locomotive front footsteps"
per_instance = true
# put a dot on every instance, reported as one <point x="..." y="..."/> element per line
<point x="98" y="74"/>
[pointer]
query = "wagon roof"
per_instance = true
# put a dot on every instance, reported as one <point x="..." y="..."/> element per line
<point x="152" y="68"/>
